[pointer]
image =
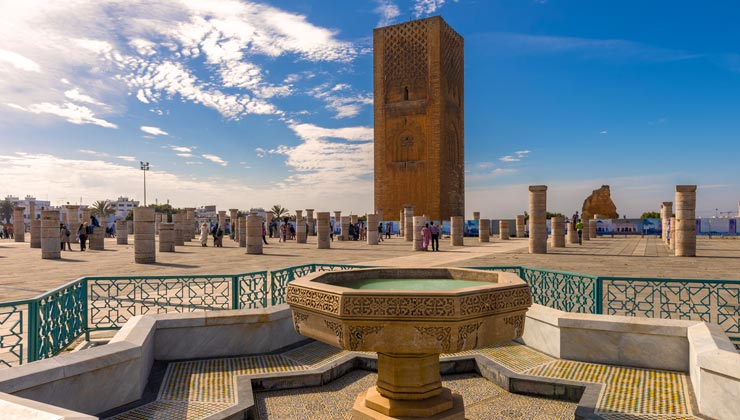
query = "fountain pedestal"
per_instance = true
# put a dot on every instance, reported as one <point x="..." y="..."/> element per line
<point x="409" y="316"/>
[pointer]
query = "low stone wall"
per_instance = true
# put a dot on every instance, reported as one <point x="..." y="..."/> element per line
<point x="703" y="350"/>
<point x="106" y="377"/>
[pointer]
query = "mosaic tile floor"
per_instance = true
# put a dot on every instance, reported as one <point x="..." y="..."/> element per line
<point x="483" y="400"/>
<point x="195" y="390"/>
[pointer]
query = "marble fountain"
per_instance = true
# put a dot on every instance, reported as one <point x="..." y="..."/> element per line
<point x="409" y="316"/>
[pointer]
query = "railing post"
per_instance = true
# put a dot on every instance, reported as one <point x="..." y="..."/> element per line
<point x="598" y="295"/>
<point x="33" y="333"/>
<point x="85" y="308"/>
<point x="235" y="292"/>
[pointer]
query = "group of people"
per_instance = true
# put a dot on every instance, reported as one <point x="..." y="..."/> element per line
<point x="6" y="232"/>
<point x="217" y="232"/>
<point x="430" y="234"/>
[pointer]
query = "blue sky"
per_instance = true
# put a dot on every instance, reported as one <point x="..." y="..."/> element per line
<point x="245" y="104"/>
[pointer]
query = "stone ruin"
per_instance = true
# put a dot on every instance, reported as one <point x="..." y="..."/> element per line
<point x="599" y="202"/>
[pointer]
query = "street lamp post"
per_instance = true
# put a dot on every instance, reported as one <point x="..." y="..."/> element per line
<point x="144" y="167"/>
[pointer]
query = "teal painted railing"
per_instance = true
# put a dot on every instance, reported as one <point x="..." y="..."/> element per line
<point x="41" y="327"/>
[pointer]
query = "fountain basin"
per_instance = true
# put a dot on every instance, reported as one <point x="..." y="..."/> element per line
<point x="409" y="316"/>
<point x="397" y="319"/>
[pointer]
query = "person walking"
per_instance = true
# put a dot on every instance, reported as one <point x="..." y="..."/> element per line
<point x="380" y="232"/>
<point x="579" y="229"/>
<point x="264" y="233"/>
<point x="67" y="234"/>
<point x="388" y="230"/>
<point x="203" y="235"/>
<point x="82" y="234"/>
<point x="434" y="232"/>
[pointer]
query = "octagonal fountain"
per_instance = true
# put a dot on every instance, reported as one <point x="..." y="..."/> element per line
<point x="409" y="316"/>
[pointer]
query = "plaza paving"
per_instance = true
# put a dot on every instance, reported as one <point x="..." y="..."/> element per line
<point x="24" y="274"/>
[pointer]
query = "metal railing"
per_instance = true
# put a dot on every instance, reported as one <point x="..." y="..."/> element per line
<point x="41" y="327"/>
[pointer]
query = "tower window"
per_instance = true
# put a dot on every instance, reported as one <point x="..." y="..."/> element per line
<point x="405" y="93"/>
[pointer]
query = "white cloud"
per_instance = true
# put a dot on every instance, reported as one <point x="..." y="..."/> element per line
<point x="603" y="132"/>
<point x="215" y="159"/>
<point x="522" y="153"/>
<point x="509" y="159"/>
<point x="260" y="152"/>
<point x="92" y="152"/>
<point x="127" y="158"/>
<point x="388" y="12"/>
<point x="184" y="154"/>
<point x="75" y="114"/>
<point x="314" y="132"/>
<point x="343" y="106"/>
<point x="76" y="95"/>
<point x="18" y="61"/>
<point x="180" y="149"/>
<point x="155" y="131"/>
<point x="427" y="7"/>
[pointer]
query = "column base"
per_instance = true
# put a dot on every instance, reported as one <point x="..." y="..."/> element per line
<point x="370" y="405"/>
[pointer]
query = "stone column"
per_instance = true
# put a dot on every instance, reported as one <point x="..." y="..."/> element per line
<point x="300" y="227"/>
<point x="418" y="225"/>
<point x="167" y="235"/>
<point x="672" y="241"/>
<point x="520" y="226"/>
<point x="235" y="229"/>
<point x="572" y="233"/>
<point x="190" y="221"/>
<point x="322" y="220"/>
<point x="666" y="212"/>
<point x="503" y="229"/>
<point x="268" y="221"/>
<point x="233" y="218"/>
<point x="484" y="230"/>
<point x="19" y="225"/>
<point x="372" y="229"/>
<point x="86" y="215"/>
<point x="538" y="219"/>
<point x="685" y="220"/>
<point x="592" y="229"/>
<point x="36" y="233"/>
<point x="586" y="235"/>
<point x="130" y="227"/>
<point x="476" y="215"/>
<point x="456" y="230"/>
<point x="121" y="232"/>
<point x="222" y="220"/>
<point x="64" y="219"/>
<point x="97" y="239"/>
<point x="354" y="219"/>
<point x="144" y="235"/>
<point x="345" y="228"/>
<point x="73" y="219"/>
<point x="243" y="231"/>
<point x="557" y="224"/>
<point x="408" y="223"/>
<point x="50" y="245"/>
<point x="311" y="222"/>
<point x="157" y="221"/>
<point x="254" y="234"/>
<point x="401" y="221"/>
<point x="177" y="229"/>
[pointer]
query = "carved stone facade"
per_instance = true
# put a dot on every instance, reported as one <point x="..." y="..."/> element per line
<point x="419" y="123"/>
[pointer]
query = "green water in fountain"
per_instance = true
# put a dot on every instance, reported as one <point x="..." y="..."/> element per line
<point x="409" y="284"/>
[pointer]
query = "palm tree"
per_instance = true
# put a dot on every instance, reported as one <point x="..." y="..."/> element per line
<point x="102" y="209"/>
<point x="6" y="210"/>
<point x="278" y="211"/>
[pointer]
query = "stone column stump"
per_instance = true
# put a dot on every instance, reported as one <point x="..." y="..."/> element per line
<point x="592" y="226"/>
<point x="666" y="212"/>
<point x="503" y="230"/>
<point x="97" y="239"/>
<point x="144" y="235"/>
<point x="537" y="219"/>
<point x="36" y="233"/>
<point x="311" y="222"/>
<point x="484" y="230"/>
<point x="254" y="234"/>
<point x="685" y="220"/>
<point x="177" y="222"/>
<point x="19" y="225"/>
<point x="520" y="230"/>
<point x="557" y="224"/>
<point x="572" y="233"/>
<point x="157" y="220"/>
<point x="243" y="231"/>
<point x="322" y="220"/>
<point x="372" y="229"/>
<point x="51" y="248"/>
<point x="300" y="227"/>
<point x="345" y="228"/>
<point x="121" y="232"/>
<point x="73" y="218"/>
<point x="408" y="223"/>
<point x="418" y="238"/>
<point x="476" y="215"/>
<point x="167" y="235"/>
<point x="457" y="230"/>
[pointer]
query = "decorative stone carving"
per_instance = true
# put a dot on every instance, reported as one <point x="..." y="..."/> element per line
<point x="599" y="202"/>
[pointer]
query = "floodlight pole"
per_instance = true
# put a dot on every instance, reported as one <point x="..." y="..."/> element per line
<point x="144" y="167"/>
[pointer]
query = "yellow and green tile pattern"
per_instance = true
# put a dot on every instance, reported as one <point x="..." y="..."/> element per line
<point x="195" y="390"/>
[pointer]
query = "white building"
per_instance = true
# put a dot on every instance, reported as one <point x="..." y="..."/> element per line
<point x="122" y="206"/>
<point x="26" y="202"/>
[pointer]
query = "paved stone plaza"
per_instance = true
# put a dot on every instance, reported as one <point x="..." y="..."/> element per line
<point x="25" y="274"/>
